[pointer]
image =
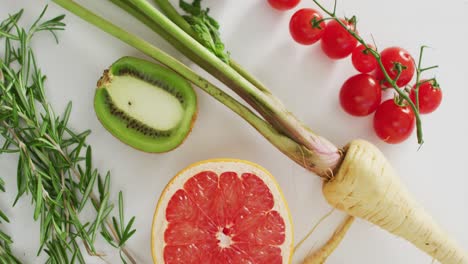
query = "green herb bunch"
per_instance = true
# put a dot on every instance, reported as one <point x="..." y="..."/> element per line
<point x="54" y="162"/>
<point x="6" y="256"/>
<point x="206" y="28"/>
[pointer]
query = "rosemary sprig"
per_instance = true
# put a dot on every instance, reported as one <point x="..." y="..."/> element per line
<point x="6" y="256"/>
<point x="55" y="163"/>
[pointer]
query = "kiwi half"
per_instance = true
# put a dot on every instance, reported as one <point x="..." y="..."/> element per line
<point x="144" y="105"/>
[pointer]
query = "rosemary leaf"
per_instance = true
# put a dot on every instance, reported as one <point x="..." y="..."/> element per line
<point x="55" y="165"/>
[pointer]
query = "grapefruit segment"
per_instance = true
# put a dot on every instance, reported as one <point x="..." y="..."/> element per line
<point x="181" y="208"/>
<point x="258" y="197"/>
<point x="232" y="193"/>
<point x="188" y="233"/>
<point x="261" y="253"/>
<point x="222" y="211"/>
<point x="260" y="229"/>
<point x="189" y="254"/>
<point x="202" y="188"/>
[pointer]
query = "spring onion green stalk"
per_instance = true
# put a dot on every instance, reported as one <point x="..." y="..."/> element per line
<point x="311" y="151"/>
<point x="169" y="10"/>
<point x="267" y="105"/>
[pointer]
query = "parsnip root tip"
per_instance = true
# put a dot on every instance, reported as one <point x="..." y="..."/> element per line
<point x="321" y="255"/>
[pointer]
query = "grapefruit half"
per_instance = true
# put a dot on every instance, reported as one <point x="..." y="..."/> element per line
<point x="222" y="211"/>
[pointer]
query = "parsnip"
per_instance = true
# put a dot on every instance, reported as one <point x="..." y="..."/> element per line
<point x="366" y="186"/>
<point x="321" y="255"/>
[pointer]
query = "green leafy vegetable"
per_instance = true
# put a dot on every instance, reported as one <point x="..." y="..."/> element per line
<point x="206" y="28"/>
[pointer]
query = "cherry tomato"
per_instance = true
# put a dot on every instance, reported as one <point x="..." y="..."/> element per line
<point x="337" y="42"/>
<point x="362" y="60"/>
<point x="393" y="123"/>
<point x="360" y="95"/>
<point x="393" y="55"/>
<point x="430" y="96"/>
<point x="302" y="29"/>
<point x="283" y="5"/>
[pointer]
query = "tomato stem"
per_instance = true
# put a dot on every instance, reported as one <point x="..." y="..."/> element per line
<point x="399" y="68"/>
<point x="418" y="76"/>
<point x="377" y="56"/>
<point x="316" y="23"/>
<point x="429" y="68"/>
<point x="419" y="71"/>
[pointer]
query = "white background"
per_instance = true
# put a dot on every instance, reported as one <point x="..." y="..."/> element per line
<point x="306" y="81"/>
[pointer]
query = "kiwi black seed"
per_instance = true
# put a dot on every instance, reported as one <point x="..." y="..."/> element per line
<point x="145" y="105"/>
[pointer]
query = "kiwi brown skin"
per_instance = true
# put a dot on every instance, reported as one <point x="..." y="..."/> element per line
<point x="157" y="76"/>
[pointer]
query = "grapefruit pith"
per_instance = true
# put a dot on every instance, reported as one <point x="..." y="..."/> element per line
<point x="222" y="211"/>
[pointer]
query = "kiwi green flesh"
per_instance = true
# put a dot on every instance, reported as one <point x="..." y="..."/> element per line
<point x="145" y="105"/>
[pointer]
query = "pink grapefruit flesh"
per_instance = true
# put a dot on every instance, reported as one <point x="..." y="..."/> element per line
<point x="222" y="211"/>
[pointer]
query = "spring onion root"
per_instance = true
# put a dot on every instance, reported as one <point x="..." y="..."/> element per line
<point x="366" y="186"/>
<point x="321" y="255"/>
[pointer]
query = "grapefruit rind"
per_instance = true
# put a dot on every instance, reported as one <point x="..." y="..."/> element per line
<point x="219" y="166"/>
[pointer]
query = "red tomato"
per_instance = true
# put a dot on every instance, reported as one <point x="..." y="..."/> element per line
<point x="302" y="29"/>
<point x="362" y="60"/>
<point x="393" y="123"/>
<point x="393" y="55"/>
<point x="283" y="5"/>
<point x="430" y="96"/>
<point x="337" y="42"/>
<point x="360" y="95"/>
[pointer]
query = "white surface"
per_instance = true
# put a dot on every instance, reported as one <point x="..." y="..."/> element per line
<point x="306" y="81"/>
